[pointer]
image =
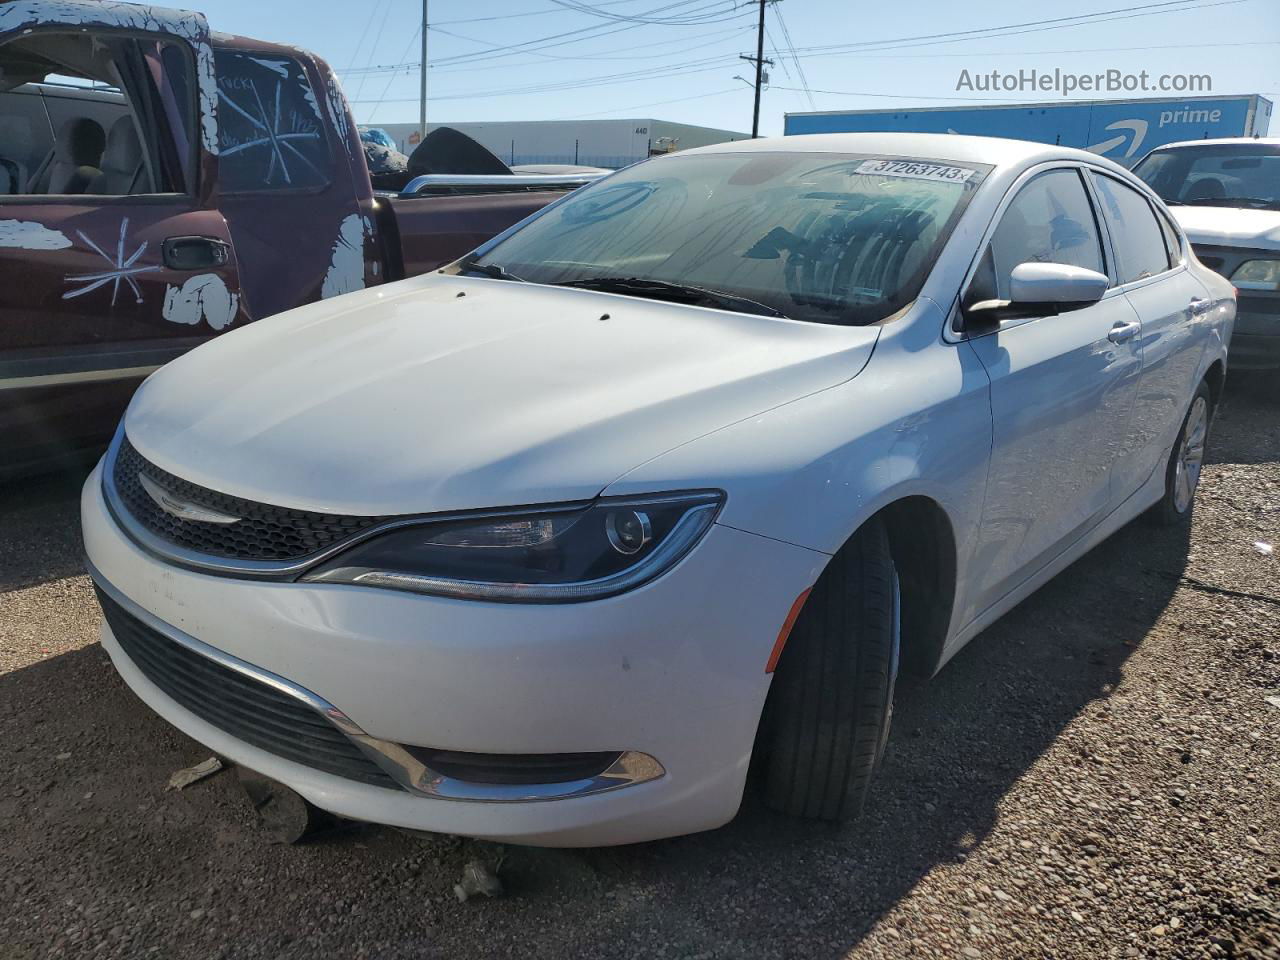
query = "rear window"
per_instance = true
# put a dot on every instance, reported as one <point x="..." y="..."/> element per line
<point x="270" y="134"/>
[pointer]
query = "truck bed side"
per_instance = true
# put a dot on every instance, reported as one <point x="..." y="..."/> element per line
<point x="436" y="230"/>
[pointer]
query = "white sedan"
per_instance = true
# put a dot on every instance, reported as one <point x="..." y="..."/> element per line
<point x="668" y="480"/>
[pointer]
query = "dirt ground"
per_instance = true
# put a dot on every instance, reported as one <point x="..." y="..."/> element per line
<point x="1097" y="775"/>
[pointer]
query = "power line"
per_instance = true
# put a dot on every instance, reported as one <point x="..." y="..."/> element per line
<point x="693" y="66"/>
<point x="717" y="63"/>
<point x="1047" y="53"/>
<point x="373" y="49"/>
<point x="528" y="13"/>
<point x="920" y="40"/>
<point x="540" y="43"/>
<point x="601" y="55"/>
<point x="500" y="50"/>
<point x="391" y="79"/>
<point x="688" y="20"/>
<point x="786" y="35"/>
<point x="900" y="96"/>
<point x="1012" y="29"/>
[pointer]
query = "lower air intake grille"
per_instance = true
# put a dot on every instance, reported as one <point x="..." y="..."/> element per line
<point x="237" y="704"/>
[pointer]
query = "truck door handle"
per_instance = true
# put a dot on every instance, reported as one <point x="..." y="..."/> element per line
<point x="194" y="253"/>
<point x="1123" y="332"/>
<point x="1199" y="306"/>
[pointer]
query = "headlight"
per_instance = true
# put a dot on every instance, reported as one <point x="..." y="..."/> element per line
<point x="1257" y="275"/>
<point x="556" y="555"/>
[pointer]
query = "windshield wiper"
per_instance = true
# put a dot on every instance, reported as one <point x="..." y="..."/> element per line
<point x="1256" y="202"/>
<point x="496" y="271"/>
<point x="679" y="292"/>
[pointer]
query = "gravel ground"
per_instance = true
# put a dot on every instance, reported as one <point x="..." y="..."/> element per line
<point x="1097" y="775"/>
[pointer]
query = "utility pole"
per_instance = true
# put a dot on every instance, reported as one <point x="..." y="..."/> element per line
<point x="759" y="61"/>
<point x="422" y="96"/>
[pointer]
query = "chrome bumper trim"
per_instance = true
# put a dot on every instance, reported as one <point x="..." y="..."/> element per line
<point x="631" y="767"/>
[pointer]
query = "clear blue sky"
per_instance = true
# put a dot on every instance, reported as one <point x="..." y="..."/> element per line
<point x="542" y="60"/>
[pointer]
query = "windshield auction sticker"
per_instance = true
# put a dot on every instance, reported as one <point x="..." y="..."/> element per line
<point x="914" y="170"/>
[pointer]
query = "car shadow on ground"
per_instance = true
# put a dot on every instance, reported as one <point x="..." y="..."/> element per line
<point x="960" y="741"/>
<point x="40" y="522"/>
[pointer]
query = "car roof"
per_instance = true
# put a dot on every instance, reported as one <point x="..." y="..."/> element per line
<point x="998" y="151"/>
<point x="1220" y="141"/>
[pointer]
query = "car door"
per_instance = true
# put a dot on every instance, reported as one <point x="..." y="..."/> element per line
<point x="1151" y="271"/>
<point x="1062" y="386"/>
<point x="115" y="256"/>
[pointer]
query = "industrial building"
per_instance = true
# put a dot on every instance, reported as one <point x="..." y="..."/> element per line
<point x="595" y="143"/>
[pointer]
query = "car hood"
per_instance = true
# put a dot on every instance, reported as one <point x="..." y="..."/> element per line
<point x="448" y="393"/>
<point x="1230" y="226"/>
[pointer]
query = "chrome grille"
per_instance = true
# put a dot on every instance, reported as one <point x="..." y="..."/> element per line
<point x="264" y="532"/>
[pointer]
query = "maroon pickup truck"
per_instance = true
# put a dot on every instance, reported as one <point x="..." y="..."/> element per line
<point x="161" y="184"/>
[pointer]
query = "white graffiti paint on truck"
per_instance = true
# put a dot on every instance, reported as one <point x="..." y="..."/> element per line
<point x="122" y="268"/>
<point x="201" y="298"/>
<point x="278" y="130"/>
<point x="29" y="235"/>
<point x="346" y="265"/>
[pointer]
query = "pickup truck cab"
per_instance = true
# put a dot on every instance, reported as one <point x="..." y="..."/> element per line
<point x="161" y="184"/>
<point x="1226" y="195"/>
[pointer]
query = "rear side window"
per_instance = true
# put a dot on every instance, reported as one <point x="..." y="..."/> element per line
<point x="1136" y="234"/>
<point x="270" y="136"/>
<point x="1171" y="240"/>
<point x="1049" y="221"/>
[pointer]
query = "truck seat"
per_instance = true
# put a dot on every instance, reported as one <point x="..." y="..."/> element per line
<point x="122" y="171"/>
<point x="73" y="162"/>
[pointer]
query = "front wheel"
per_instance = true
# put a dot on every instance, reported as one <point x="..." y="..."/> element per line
<point x="1182" y="472"/>
<point x="828" y="712"/>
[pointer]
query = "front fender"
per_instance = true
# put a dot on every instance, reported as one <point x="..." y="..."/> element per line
<point x="915" y="422"/>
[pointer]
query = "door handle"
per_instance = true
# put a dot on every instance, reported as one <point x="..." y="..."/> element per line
<point x="194" y="253"/>
<point x="1123" y="332"/>
<point x="1199" y="306"/>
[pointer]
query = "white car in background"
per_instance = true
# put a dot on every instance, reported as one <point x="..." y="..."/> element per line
<point x="1226" y="195"/>
<point x="550" y="545"/>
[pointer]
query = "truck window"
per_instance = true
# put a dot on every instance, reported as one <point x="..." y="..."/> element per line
<point x="270" y="134"/>
<point x="86" y="114"/>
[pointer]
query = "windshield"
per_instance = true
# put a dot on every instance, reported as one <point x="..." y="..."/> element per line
<point x="1216" y="175"/>
<point x="830" y="238"/>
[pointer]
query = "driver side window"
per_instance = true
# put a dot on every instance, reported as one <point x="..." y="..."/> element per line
<point x="1050" y="221"/>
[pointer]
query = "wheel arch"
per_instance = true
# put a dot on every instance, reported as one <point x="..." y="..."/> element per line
<point x="923" y="546"/>
<point x="922" y="543"/>
<point x="1216" y="378"/>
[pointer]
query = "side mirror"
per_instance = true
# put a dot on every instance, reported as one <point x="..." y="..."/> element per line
<point x="1040" y="290"/>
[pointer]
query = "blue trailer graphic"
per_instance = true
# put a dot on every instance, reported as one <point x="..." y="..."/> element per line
<point x="1123" y="130"/>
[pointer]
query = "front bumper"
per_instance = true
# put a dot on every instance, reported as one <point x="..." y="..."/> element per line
<point x="673" y="670"/>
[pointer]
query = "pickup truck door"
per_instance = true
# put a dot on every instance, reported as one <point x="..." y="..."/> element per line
<point x="114" y="254"/>
<point x="292" y="179"/>
<point x="1062" y="388"/>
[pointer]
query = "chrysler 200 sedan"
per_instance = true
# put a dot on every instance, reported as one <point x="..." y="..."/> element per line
<point x="668" y="481"/>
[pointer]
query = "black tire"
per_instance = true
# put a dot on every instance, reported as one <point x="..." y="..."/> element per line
<point x="829" y="709"/>
<point x="1180" y="482"/>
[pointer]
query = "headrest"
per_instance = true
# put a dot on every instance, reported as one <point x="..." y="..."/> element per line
<point x="80" y="142"/>
<point x="124" y="150"/>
